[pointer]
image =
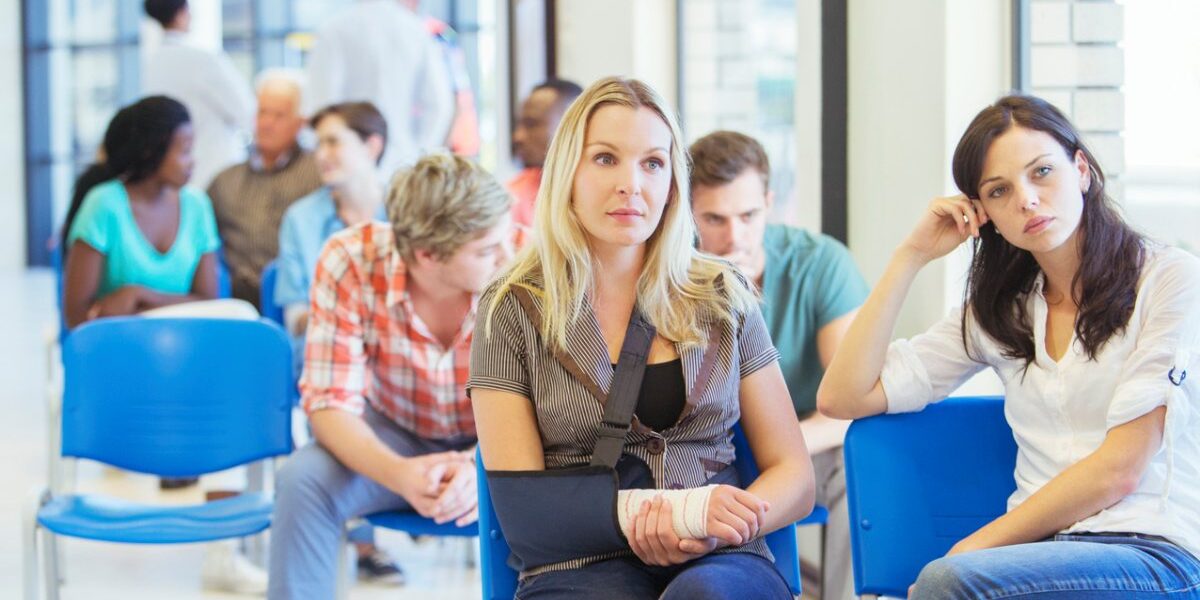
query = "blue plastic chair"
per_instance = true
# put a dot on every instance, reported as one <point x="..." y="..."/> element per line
<point x="917" y="483"/>
<point x="173" y="398"/>
<point x="500" y="580"/>
<point x="266" y="294"/>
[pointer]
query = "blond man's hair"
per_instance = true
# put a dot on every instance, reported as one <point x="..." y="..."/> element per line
<point x="681" y="290"/>
<point x="441" y="203"/>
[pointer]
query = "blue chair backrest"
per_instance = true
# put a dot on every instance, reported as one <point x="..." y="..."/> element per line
<point x="781" y="541"/>
<point x="224" y="279"/>
<point x="266" y="294"/>
<point x="500" y="580"/>
<point x="176" y="397"/>
<point x="917" y="483"/>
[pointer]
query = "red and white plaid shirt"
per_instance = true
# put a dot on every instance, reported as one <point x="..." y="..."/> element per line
<point x="365" y="342"/>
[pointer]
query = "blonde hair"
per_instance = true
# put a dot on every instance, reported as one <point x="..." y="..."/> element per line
<point x="441" y="203"/>
<point x="680" y="290"/>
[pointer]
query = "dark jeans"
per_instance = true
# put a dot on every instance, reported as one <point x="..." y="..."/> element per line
<point x="739" y="576"/>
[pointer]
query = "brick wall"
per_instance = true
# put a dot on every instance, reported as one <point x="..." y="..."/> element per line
<point x="1077" y="63"/>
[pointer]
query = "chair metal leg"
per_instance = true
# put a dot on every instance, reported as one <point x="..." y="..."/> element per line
<point x="472" y="545"/>
<point x="29" y="545"/>
<point x="343" y="570"/>
<point x="824" y="538"/>
<point x="50" y="558"/>
<point x="256" y="481"/>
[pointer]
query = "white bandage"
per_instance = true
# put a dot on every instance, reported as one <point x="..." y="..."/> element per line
<point x="689" y="509"/>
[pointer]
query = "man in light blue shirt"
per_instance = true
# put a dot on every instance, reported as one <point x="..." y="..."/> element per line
<point x="307" y="224"/>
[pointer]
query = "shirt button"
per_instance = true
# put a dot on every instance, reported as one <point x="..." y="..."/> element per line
<point x="656" y="446"/>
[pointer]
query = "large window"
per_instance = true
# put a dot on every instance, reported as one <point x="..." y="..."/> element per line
<point x="774" y="70"/>
<point x="82" y="64"/>
<point x="1162" y="93"/>
<point x="738" y="65"/>
<point x="258" y="34"/>
<point x="78" y="71"/>
<point x="1128" y="74"/>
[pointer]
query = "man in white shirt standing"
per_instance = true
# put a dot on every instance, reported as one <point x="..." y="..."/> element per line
<point x="380" y="51"/>
<point x="216" y="95"/>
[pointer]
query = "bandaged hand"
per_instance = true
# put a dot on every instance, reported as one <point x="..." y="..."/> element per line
<point x="731" y="515"/>
<point x="689" y="512"/>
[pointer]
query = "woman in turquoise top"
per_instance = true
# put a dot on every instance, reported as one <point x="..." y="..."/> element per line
<point x="140" y="239"/>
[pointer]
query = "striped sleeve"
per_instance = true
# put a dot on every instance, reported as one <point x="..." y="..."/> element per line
<point x="498" y="357"/>
<point x="754" y="346"/>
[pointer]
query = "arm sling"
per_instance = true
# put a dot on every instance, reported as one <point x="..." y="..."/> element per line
<point x="556" y="515"/>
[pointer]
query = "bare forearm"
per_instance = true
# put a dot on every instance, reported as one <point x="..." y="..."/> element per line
<point x="789" y="487"/>
<point x="1098" y="481"/>
<point x="355" y="445"/>
<point x="854" y="371"/>
<point x="1079" y="492"/>
<point x="149" y="299"/>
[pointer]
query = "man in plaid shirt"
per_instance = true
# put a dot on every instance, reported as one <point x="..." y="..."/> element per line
<point x="393" y="307"/>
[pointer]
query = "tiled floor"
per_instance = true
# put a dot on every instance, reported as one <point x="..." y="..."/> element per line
<point x="97" y="571"/>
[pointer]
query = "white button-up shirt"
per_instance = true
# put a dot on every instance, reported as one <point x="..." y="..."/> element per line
<point x="218" y="99"/>
<point x="1060" y="412"/>
<point x="379" y="51"/>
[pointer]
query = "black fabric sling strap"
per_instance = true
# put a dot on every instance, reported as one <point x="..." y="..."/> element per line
<point x="624" y="391"/>
<point x="621" y="400"/>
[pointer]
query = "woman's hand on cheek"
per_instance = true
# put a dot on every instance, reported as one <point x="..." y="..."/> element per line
<point x="944" y="225"/>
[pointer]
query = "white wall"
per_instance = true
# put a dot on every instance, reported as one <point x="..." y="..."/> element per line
<point x="12" y="144"/>
<point x="631" y="38"/>
<point x="918" y="72"/>
<point x="807" y="210"/>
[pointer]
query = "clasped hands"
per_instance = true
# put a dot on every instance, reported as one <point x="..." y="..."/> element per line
<point x="440" y="486"/>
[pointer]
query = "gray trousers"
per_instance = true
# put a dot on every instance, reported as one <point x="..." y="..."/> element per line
<point x="837" y="582"/>
<point x="314" y="497"/>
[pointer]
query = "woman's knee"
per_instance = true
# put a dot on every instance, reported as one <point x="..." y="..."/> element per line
<point x="728" y="577"/>
<point x="946" y="577"/>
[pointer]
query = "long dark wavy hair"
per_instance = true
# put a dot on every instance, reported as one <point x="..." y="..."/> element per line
<point x="1001" y="275"/>
<point x="135" y="145"/>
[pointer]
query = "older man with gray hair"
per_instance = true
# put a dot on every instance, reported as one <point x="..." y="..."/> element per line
<point x="249" y="198"/>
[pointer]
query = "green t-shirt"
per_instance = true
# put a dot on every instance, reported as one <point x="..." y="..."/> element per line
<point x="105" y="222"/>
<point x="808" y="281"/>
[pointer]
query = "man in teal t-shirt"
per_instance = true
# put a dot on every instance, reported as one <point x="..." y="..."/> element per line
<point x="811" y="290"/>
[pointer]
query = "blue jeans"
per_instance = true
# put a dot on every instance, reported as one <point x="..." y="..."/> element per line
<point x="739" y="576"/>
<point x="1074" y="566"/>
<point x="314" y="497"/>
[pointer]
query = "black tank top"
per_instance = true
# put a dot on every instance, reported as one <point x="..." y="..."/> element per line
<point x="663" y="395"/>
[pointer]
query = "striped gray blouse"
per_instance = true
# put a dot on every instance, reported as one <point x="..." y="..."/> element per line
<point x="511" y="357"/>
